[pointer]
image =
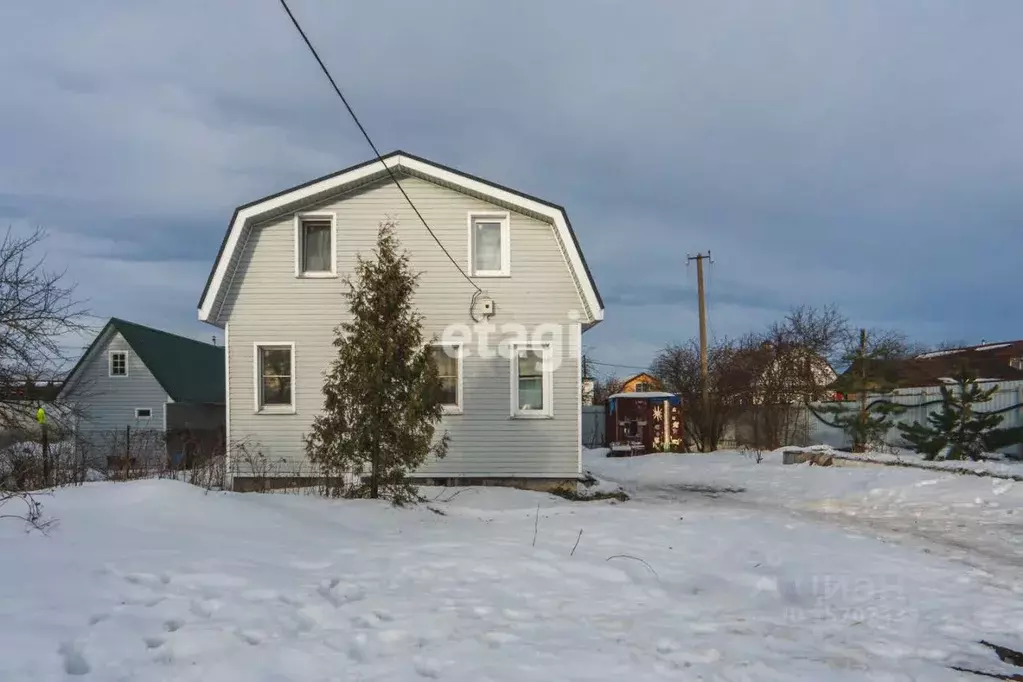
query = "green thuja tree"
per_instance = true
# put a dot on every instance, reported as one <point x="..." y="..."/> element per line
<point x="959" y="430"/>
<point x="869" y="417"/>
<point x="382" y="397"/>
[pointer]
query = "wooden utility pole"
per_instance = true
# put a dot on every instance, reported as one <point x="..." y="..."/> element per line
<point x="861" y="416"/>
<point x="704" y="380"/>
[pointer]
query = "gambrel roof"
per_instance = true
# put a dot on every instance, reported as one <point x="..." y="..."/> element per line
<point x="374" y="170"/>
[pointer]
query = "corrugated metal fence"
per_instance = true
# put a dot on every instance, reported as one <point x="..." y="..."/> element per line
<point x="1009" y="393"/>
<point x="593" y="426"/>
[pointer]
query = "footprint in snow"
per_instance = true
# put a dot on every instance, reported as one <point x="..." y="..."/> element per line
<point x="204" y="608"/>
<point x="74" y="660"/>
<point x="497" y="639"/>
<point x="357" y="649"/>
<point x="426" y="667"/>
<point x="146" y="579"/>
<point x="290" y="601"/>
<point x="366" y="621"/>
<point x="153" y="642"/>
<point x="338" y="593"/>
<point x="173" y="625"/>
<point x="251" y="637"/>
<point x="98" y="618"/>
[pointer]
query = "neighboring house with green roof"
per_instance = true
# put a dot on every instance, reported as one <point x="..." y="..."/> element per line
<point x="136" y="385"/>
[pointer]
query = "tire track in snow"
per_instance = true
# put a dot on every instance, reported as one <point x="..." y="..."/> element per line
<point x="736" y="498"/>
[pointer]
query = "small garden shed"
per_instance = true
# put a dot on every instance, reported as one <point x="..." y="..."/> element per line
<point x="646" y="421"/>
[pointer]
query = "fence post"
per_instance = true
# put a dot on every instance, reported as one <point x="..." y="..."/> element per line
<point x="47" y="466"/>
<point x="1019" y="417"/>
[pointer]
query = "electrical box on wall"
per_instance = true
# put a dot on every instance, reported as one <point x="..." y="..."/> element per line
<point x="487" y="306"/>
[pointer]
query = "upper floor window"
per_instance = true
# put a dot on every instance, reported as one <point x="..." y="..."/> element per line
<point x="275" y="377"/>
<point x="315" y="250"/>
<point x="448" y="360"/>
<point x="118" y="363"/>
<point x="489" y="245"/>
<point x="642" y="387"/>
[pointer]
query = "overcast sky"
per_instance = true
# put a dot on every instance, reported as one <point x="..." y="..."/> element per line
<point x="868" y="154"/>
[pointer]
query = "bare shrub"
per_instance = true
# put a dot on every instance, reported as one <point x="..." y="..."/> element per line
<point x="30" y="510"/>
<point x="22" y="466"/>
<point x="256" y="466"/>
<point x="754" y="453"/>
<point x="209" y="472"/>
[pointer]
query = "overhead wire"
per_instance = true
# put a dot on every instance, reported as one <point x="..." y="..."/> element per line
<point x="380" y="158"/>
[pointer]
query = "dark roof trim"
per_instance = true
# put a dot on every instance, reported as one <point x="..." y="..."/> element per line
<point x="73" y="374"/>
<point x="178" y="386"/>
<point x="364" y="164"/>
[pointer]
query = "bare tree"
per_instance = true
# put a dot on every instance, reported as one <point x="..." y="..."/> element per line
<point x="603" y="388"/>
<point x="677" y="366"/>
<point x="38" y="311"/>
<point x="789" y="365"/>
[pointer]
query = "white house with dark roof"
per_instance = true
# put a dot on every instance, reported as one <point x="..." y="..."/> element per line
<point x="276" y="290"/>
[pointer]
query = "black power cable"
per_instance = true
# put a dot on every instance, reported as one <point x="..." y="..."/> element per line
<point x="380" y="158"/>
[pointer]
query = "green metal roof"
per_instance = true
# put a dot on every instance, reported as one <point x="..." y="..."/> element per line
<point x="190" y="371"/>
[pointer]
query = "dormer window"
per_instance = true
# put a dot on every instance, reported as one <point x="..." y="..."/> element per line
<point x="315" y="245"/>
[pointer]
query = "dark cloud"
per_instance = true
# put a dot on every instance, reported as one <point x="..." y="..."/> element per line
<point x="868" y="154"/>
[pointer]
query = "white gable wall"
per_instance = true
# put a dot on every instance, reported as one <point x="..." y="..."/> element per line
<point x="265" y="302"/>
<point x="108" y="403"/>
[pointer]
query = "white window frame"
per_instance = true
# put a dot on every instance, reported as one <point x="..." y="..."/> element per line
<point x="491" y="217"/>
<point x="548" y="382"/>
<point x="257" y="379"/>
<point x="110" y="364"/>
<point x="460" y="406"/>
<point x="319" y="274"/>
<point x="140" y="409"/>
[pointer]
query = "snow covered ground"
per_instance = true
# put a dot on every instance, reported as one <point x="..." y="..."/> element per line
<point x="975" y="520"/>
<point x="156" y="580"/>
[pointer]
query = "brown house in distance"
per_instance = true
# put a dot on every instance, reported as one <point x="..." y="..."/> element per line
<point x="641" y="383"/>
<point x="989" y="362"/>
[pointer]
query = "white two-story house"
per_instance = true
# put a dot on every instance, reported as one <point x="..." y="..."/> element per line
<point x="512" y="350"/>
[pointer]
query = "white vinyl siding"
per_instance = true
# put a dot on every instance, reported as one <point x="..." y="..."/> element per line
<point x="108" y="403"/>
<point x="265" y="299"/>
